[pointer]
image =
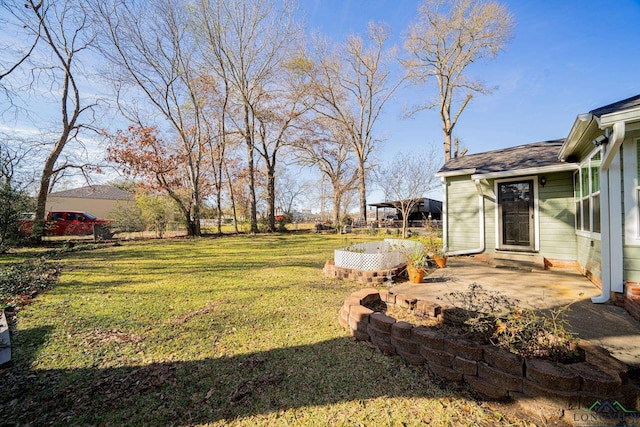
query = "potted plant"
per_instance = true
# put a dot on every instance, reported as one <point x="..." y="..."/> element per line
<point x="440" y="257"/>
<point x="433" y="248"/>
<point x="417" y="262"/>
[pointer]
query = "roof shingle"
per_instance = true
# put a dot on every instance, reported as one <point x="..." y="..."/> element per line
<point x="95" y="192"/>
<point x="526" y="156"/>
<point x="625" y="104"/>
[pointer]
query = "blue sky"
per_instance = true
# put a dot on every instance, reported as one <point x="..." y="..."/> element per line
<point x="567" y="57"/>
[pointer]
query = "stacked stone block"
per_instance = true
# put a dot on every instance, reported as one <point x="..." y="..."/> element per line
<point x="364" y="277"/>
<point x="491" y="371"/>
<point x="380" y="332"/>
<point x="632" y="299"/>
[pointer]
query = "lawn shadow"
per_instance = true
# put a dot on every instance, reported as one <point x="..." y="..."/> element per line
<point x="209" y="390"/>
<point x="34" y="339"/>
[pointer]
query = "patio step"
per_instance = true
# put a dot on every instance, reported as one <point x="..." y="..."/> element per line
<point x="517" y="261"/>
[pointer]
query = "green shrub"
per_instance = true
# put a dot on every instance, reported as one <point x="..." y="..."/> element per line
<point x="13" y="204"/>
<point x="127" y="217"/>
<point x="283" y="220"/>
<point x="21" y="282"/>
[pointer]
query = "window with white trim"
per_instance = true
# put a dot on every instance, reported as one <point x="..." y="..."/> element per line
<point x="586" y="187"/>
<point x="631" y="191"/>
<point x="636" y="189"/>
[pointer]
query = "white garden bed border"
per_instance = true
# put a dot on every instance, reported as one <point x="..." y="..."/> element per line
<point x="371" y="256"/>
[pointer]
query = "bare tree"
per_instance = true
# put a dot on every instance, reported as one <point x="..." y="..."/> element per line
<point x="349" y="202"/>
<point x="153" y="54"/>
<point x="351" y="85"/>
<point x="14" y="56"/>
<point x="61" y="32"/>
<point x="215" y="108"/>
<point x="246" y="42"/>
<point x="448" y="37"/>
<point x="278" y="120"/>
<point x="326" y="150"/>
<point x="12" y="160"/>
<point x="407" y="180"/>
<point x="289" y="189"/>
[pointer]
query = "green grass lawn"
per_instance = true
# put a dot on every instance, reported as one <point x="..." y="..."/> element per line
<point x="239" y="330"/>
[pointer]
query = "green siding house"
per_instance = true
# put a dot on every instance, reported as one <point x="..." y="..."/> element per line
<point x="568" y="202"/>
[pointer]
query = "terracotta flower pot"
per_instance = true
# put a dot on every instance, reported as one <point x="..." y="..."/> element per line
<point x="415" y="274"/>
<point x="441" y="261"/>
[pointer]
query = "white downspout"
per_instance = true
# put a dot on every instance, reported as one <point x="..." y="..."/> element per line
<point x="605" y="240"/>
<point x="609" y="264"/>
<point x="481" y="248"/>
<point x="445" y="217"/>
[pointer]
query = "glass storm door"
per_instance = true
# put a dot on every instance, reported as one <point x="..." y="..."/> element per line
<point x="515" y="205"/>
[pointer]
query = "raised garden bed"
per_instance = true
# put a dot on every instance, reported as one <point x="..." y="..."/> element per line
<point x="371" y="256"/>
<point x="491" y="371"/>
<point x="370" y="262"/>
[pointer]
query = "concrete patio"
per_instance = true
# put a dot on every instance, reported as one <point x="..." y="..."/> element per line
<point x="604" y="324"/>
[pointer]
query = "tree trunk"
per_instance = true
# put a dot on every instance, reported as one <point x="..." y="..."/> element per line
<point x="190" y="228"/>
<point x="405" y="223"/>
<point x="271" y="198"/>
<point x="233" y="200"/>
<point x="362" y="190"/>
<point x="337" y="199"/>
<point x="447" y="145"/>
<point x="195" y="219"/>
<point x="405" y="209"/>
<point x="217" y="179"/>
<point x="41" y="201"/>
<point x="43" y="191"/>
<point x="217" y="165"/>
<point x="221" y="160"/>
<point x="219" y="206"/>
<point x="252" y="185"/>
<point x="447" y="129"/>
<point x="191" y="223"/>
<point x="188" y="222"/>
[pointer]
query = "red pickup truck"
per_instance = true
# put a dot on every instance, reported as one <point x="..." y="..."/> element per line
<point x="65" y="223"/>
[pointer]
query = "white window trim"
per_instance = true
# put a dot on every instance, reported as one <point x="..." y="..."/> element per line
<point x="631" y="188"/>
<point x="536" y="214"/>
<point x="587" y="164"/>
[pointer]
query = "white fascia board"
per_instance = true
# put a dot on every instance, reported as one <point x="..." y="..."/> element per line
<point x="627" y="116"/>
<point x="456" y="173"/>
<point x="582" y="123"/>
<point x="529" y="171"/>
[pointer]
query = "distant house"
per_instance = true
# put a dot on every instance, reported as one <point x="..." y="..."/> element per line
<point x="573" y="201"/>
<point x="98" y="200"/>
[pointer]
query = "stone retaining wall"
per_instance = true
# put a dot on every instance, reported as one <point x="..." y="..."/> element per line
<point x="491" y="371"/>
<point x="364" y="277"/>
<point x="632" y="299"/>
